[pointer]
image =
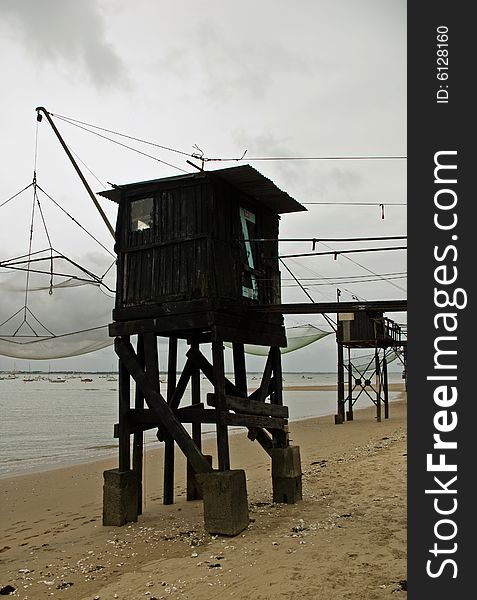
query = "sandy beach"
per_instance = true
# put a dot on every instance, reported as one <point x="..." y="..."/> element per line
<point x="345" y="540"/>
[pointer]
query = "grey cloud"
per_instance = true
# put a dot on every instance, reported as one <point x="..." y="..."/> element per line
<point x="344" y="180"/>
<point x="68" y="32"/>
<point x="291" y="172"/>
<point x="233" y="67"/>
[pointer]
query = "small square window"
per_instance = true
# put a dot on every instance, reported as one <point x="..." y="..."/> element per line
<point x="142" y="212"/>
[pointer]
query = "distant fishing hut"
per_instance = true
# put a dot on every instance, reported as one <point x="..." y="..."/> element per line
<point x="190" y="265"/>
<point x="365" y="329"/>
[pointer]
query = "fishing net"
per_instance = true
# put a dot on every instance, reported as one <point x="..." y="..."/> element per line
<point x="65" y="318"/>
<point x="55" y="346"/>
<point x="297" y="337"/>
<point x="365" y="363"/>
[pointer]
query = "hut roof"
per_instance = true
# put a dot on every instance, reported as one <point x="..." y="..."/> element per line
<point x="244" y="177"/>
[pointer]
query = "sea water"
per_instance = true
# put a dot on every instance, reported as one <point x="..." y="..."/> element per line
<point x="46" y="422"/>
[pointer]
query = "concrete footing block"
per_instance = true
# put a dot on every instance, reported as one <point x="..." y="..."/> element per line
<point x="120" y="497"/>
<point x="286" y="474"/>
<point x="225" y="501"/>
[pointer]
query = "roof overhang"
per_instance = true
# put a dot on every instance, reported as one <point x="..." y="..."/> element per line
<point x="244" y="177"/>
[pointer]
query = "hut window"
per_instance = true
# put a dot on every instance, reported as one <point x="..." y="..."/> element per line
<point x="249" y="281"/>
<point x="141" y="214"/>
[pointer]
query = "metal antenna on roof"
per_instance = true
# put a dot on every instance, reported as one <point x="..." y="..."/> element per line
<point x="199" y="155"/>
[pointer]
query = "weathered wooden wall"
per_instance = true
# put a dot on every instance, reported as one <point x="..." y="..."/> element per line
<point x="193" y="248"/>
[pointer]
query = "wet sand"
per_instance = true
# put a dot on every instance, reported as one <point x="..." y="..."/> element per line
<point x="345" y="540"/>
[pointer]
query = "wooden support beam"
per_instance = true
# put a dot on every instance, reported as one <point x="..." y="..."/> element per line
<point x="169" y="455"/>
<point x="201" y="362"/>
<point x="176" y="396"/>
<point x="219" y="391"/>
<point x="378" y="386"/>
<point x="193" y="491"/>
<point x="230" y="389"/>
<point x="157" y="403"/>
<point x="142" y="416"/>
<point x="196" y="414"/>
<point x="385" y="386"/>
<point x="142" y="419"/>
<point x="256" y="394"/>
<point x="252" y="421"/>
<point x="264" y="389"/>
<point x="172" y="369"/>
<point x="124" y="406"/>
<point x="169" y="450"/>
<point x="195" y="383"/>
<point x="351" y="386"/>
<point x="254" y="433"/>
<point x="340" y="411"/>
<point x="138" y="439"/>
<point x="182" y="384"/>
<point x="277" y="393"/>
<point x="151" y="359"/>
<point x="240" y="368"/>
<point x="250" y="407"/>
<point x="330" y="307"/>
<point x="262" y="437"/>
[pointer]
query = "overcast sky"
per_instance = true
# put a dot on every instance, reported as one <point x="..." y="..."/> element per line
<point x="275" y="78"/>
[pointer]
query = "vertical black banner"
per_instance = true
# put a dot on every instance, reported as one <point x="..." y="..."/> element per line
<point x="442" y="337"/>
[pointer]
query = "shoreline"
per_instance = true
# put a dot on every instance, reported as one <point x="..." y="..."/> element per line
<point x="66" y="464"/>
<point x="353" y="513"/>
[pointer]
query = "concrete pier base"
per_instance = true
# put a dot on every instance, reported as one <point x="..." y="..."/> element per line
<point x="225" y="501"/>
<point x="120" y="497"/>
<point x="286" y="474"/>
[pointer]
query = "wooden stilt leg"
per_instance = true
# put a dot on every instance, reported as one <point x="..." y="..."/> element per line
<point x="168" y="471"/>
<point x="385" y="386"/>
<point x="378" y="386"/>
<point x="280" y="438"/>
<point x="194" y="491"/>
<point x="340" y="412"/>
<point x="139" y="436"/>
<point x="172" y="369"/>
<point x="240" y="369"/>
<point x="276" y="356"/>
<point x="157" y="404"/>
<point x="219" y="391"/>
<point x="124" y="406"/>
<point x="350" y="387"/>
<point x="169" y="450"/>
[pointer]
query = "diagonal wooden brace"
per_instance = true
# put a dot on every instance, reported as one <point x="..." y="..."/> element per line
<point x="157" y="403"/>
<point x="201" y="362"/>
<point x="254" y="433"/>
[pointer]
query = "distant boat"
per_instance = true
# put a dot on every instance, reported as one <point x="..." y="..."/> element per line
<point x="112" y="376"/>
<point x="29" y="378"/>
<point x="87" y="380"/>
<point x="57" y="380"/>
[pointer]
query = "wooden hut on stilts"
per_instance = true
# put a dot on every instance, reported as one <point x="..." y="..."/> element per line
<point x="190" y="268"/>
